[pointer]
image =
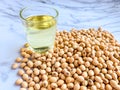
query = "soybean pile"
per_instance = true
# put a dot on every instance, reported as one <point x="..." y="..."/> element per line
<point x="81" y="60"/>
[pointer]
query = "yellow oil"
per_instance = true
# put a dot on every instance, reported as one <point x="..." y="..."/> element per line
<point x="41" y="22"/>
<point x="41" y="32"/>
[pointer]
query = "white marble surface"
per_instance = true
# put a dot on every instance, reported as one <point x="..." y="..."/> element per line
<point x="73" y="13"/>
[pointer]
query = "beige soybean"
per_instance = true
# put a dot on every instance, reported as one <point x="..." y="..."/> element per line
<point x="45" y="83"/>
<point x="83" y="88"/>
<point x="108" y="87"/>
<point x="24" y="84"/>
<point x="36" y="71"/>
<point x="18" y="59"/>
<point x="36" y="79"/>
<point x="44" y="77"/>
<point x="53" y="79"/>
<point x="68" y="79"/>
<point x="20" y="72"/>
<point x="63" y="87"/>
<point x="18" y="81"/>
<point x="60" y="82"/>
<point x="31" y="84"/>
<point x="37" y="87"/>
<point x="93" y="87"/>
<point x="54" y="85"/>
<point x="70" y="85"/>
<point x="25" y="76"/>
<point x="98" y="79"/>
<point x="30" y="64"/>
<point x="14" y="66"/>
<point x="37" y="63"/>
<point x="31" y="88"/>
<point x="80" y="78"/>
<point x="90" y="72"/>
<point x="76" y="86"/>
<point x="57" y="64"/>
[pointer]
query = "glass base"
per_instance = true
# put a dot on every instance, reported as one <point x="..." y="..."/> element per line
<point x="40" y="50"/>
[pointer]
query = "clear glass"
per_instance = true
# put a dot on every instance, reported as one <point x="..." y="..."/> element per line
<point x="40" y="25"/>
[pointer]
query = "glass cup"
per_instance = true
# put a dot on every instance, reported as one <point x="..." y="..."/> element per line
<point x="40" y="25"/>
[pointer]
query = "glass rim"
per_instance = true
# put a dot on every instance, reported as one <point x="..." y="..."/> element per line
<point x="22" y="10"/>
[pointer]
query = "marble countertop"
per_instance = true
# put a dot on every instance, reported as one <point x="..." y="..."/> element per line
<point x="72" y="14"/>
